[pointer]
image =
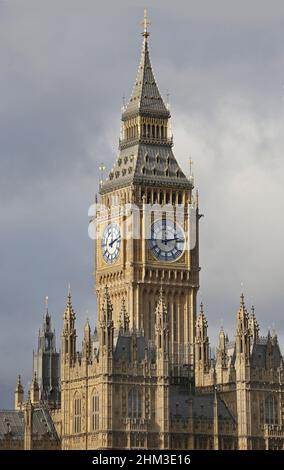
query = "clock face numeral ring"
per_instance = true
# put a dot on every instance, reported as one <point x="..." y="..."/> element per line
<point x="111" y="242"/>
<point x="167" y="240"/>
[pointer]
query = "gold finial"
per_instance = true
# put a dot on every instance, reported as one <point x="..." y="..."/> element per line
<point x="102" y="169"/>
<point x="46" y="302"/>
<point x="145" y="24"/>
<point x="190" y="166"/>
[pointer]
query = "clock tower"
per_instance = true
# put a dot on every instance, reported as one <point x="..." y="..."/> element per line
<point x="147" y="222"/>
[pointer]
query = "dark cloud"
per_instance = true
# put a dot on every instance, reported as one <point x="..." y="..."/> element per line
<point x="65" y="66"/>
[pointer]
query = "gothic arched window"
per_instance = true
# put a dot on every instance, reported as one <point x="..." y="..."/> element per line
<point x="95" y="404"/>
<point x="77" y="414"/>
<point x="134" y="403"/>
<point x="271" y="415"/>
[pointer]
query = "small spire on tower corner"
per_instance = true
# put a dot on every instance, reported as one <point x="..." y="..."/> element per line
<point x="190" y="166"/>
<point x="102" y="168"/>
<point x="197" y="198"/>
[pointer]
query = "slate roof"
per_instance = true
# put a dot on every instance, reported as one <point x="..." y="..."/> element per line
<point x="150" y="164"/>
<point x="145" y="98"/>
<point x="259" y="354"/>
<point x="123" y="346"/>
<point x="12" y="424"/>
<point x="203" y="408"/>
<point x="202" y="405"/>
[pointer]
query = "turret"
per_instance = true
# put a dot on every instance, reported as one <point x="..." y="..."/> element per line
<point x="106" y="324"/>
<point x="253" y="326"/>
<point x="201" y="341"/>
<point x="19" y="395"/>
<point x="28" y="423"/>
<point x="243" y="333"/>
<point x="34" y="391"/>
<point x="161" y="326"/>
<point x="222" y="350"/>
<point x="46" y="361"/>
<point x="86" y="347"/>
<point x="124" y="317"/>
<point x="242" y="365"/>
<point x="69" y="333"/>
<point x="162" y="348"/>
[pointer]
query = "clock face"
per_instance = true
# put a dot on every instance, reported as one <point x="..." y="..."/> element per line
<point x="111" y="242"/>
<point x="167" y="240"/>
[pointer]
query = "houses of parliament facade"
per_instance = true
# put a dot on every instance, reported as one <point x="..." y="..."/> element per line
<point x="144" y="377"/>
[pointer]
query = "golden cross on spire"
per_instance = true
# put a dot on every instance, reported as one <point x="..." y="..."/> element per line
<point x="190" y="166"/>
<point x="145" y="24"/>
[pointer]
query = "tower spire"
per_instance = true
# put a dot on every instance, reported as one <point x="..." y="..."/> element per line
<point x="145" y="144"/>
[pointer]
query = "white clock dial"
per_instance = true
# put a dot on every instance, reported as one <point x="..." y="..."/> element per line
<point x="111" y="242"/>
<point x="167" y="240"/>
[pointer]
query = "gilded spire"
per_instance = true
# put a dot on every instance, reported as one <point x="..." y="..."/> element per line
<point x="145" y="144"/>
<point x="145" y="23"/>
<point x="146" y="99"/>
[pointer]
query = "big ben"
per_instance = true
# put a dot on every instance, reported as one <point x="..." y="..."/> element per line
<point x="146" y="214"/>
<point x="145" y="376"/>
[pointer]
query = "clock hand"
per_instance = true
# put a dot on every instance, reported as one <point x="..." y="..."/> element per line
<point x="113" y="241"/>
<point x="173" y="239"/>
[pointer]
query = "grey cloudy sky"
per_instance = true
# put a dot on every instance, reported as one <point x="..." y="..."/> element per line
<point x="65" y="66"/>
